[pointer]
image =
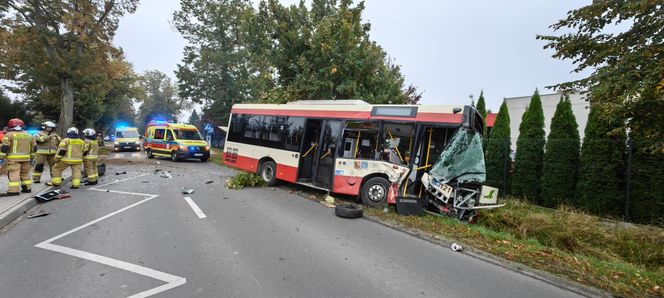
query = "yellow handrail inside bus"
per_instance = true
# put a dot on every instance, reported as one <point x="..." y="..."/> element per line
<point x="427" y="159"/>
<point x="357" y="144"/>
<point x="394" y="144"/>
<point x="312" y="148"/>
<point x="326" y="154"/>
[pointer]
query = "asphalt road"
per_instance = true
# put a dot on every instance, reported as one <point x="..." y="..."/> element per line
<point x="140" y="236"/>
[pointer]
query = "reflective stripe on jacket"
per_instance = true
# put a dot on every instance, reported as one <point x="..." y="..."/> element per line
<point x="47" y="143"/>
<point x="91" y="150"/>
<point x="70" y="151"/>
<point x="18" y="146"/>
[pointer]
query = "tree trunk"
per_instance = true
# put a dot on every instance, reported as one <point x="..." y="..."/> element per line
<point x="67" y="109"/>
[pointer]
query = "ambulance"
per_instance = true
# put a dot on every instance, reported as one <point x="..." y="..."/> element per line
<point x="175" y="141"/>
<point x="126" y="139"/>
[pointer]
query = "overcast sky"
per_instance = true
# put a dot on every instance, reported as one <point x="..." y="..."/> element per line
<point x="448" y="49"/>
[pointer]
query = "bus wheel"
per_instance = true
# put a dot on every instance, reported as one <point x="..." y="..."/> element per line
<point x="374" y="192"/>
<point x="149" y="153"/>
<point x="268" y="172"/>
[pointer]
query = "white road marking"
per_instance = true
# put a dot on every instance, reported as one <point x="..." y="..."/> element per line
<point x="171" y="281"/>
<point x="193" y="205"/>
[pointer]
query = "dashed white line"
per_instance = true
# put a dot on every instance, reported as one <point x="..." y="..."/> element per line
<point x="171" y="281"/>
<point x="193" y="205"/>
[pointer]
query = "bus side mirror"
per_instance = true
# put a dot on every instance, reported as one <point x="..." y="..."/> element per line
<point x="456" y="110"/>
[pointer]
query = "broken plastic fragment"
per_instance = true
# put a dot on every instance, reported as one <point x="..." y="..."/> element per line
<point x="187" y="191"/>
<point x="456" y="247"/>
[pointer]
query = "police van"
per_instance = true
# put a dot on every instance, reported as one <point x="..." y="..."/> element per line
<point x="126" y="138"/>
<point x="175" y="140"/>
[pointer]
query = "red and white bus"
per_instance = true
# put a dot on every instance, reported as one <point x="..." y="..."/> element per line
<point x="343" y="146"/>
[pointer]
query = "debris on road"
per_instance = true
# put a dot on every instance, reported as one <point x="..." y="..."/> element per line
<point x="39" y="213"/>
<point x="165" y="174"/>
<point x="348" y="210"/>
<point x="145" y="181"/>
<point x="51" y="195"/>
<point x="187" y="191"/>
<point x="329" y="199"/>
<point x="326" y="204"/>
<point x="456" y="247"/>
<point x="121" y="173"/>
<point x="209" y="181"/>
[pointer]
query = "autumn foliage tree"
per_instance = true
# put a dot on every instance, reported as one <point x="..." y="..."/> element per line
<point x="58" y="49"/>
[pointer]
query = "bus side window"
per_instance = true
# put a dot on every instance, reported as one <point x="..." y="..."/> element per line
<point x="159" y="134"/>
<point x="169" y="135"/>
<point x="360" y="140"/>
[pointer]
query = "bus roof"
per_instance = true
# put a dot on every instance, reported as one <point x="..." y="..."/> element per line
<point x="356" y="109"/>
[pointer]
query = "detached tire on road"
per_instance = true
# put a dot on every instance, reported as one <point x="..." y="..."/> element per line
<point x="268" y="171"/>
<point x="348" y="211"/>
<point x="374" y="192"/>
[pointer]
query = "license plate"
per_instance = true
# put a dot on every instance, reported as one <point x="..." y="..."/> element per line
<point x="127" y="147"/>
<point x="198" y="154"/>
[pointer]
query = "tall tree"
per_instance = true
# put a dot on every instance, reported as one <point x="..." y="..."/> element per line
<point x="12" y="109"/>
<point x="277" y="53"/>
<point x="529" y="158"/>
<point x="561" y="157"/>
<point x="600" y="186"/>
<point x="194" y="119"/>
<point x="498" y="160"/>
<point x="481" y="107"/>
<point x="161" y="101"/>
<point x="54" y="44"/>
<point x="625" y="64"/>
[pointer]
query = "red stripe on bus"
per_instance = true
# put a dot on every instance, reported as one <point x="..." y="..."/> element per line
<point x="423" y="117"/>
<point x="286" y="173"/>
<point x="347" y="185"/>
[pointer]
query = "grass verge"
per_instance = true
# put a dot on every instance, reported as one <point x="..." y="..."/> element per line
<point x="623" y="259"/>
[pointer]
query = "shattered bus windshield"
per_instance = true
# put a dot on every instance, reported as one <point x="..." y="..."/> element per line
<point x="462" y="159"/>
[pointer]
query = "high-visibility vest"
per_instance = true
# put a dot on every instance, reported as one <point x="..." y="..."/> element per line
<point x="70" y="151"/>
<point x="47" y="143"/>
<point x="18" y="146"/>
<point x="91" y="150"/>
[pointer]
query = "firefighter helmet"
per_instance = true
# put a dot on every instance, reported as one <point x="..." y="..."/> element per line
<point x="15" y="124"/>
<point x="72" y="130"/>
<point x="89" y="132"/>
<point x="48" y="124"/>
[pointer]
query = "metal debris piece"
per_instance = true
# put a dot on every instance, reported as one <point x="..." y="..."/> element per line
<point x="209" y="181"/>
<point x="187" y="191"/>
<point x="39" y="213"/>
<point x="121" y="173"/>
<point x="51" y="195"/>
<point x="456" y="247"/>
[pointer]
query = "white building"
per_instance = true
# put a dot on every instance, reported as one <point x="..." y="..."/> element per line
<point x="517" y="106"/>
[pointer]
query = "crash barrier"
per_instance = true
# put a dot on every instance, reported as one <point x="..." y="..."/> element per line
<point x="617" y="178"/>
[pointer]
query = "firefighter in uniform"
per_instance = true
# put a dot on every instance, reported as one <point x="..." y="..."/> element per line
<point x="90" y="155"/>
<point x="18" y="149"/>
<point x="70" y="154"/>
<point x="47" y="145"/>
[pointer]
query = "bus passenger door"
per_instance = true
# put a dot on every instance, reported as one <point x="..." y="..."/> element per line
<point x="309" y="150"/>
<point x="327" y="151"/>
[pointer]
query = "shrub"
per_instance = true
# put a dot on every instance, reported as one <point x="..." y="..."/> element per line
<point x="243" y="180"/>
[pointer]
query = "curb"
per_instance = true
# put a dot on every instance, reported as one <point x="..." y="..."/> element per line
<point x="543" y="276"/>
<point x="8" y="216"/>
<point x="14" y="212"/>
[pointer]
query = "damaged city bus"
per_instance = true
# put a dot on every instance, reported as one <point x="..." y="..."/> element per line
<point x="375" y="152"/>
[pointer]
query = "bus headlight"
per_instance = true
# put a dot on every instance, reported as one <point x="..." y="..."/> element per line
<point x="207" y="148"/>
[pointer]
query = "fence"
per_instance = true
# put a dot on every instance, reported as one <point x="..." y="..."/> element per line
<point x="608" y="177"/>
